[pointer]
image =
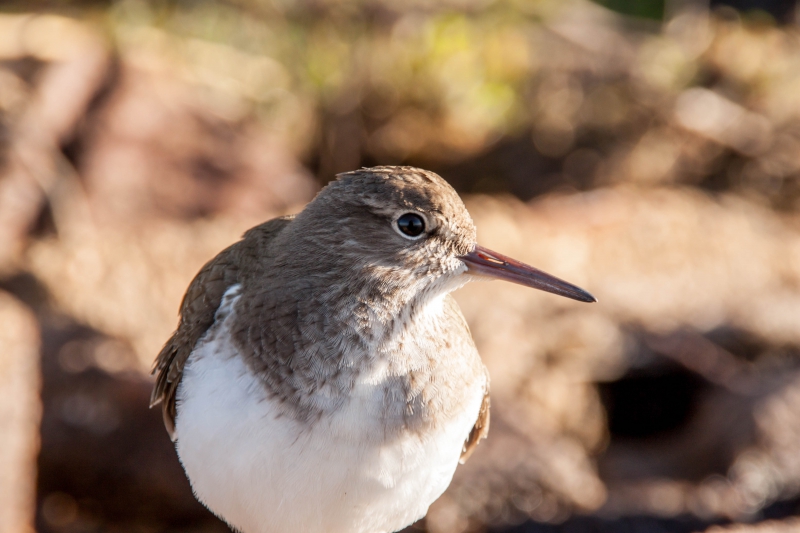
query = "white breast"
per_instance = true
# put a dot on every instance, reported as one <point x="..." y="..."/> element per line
<point x="266" y="473"/>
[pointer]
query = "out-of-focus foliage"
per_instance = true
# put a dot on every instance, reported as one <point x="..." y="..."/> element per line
<point x="658" y="165"/>
<point x="706" y="100"/>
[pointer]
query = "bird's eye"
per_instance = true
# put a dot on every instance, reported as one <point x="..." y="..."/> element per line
<point x="411" y="225"/>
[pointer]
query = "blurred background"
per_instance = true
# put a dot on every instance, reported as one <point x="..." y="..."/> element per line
<point x="648" y="151"/>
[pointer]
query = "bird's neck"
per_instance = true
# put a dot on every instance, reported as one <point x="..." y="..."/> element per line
<point x="349" y="328"/>
<point x="381" y="304"/>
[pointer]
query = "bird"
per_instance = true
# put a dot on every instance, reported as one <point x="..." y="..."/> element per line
<point x="322" y="378"/>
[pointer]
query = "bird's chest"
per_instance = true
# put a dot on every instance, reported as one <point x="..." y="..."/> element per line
<point x="370" y="466"/>
<point x="378" y="443"/>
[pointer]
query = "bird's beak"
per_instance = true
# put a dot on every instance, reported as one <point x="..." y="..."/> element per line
<point x="484" y="262"/>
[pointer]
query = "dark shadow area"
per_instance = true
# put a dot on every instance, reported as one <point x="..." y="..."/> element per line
<point x="647" y="524"/>
<point x="782" y="11"/>
<point x="513" y="165"/>
<point x="682" y="411"/>
<point x="649" y="403"/>
<point x="628" y="524"/>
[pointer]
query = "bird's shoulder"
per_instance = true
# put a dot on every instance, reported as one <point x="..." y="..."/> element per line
<point x="200" y="304"/>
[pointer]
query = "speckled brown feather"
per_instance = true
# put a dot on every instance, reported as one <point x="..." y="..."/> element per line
<point x="199" y="306"/>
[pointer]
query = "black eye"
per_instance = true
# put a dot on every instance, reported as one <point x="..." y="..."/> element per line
<point x="411" y="224"/>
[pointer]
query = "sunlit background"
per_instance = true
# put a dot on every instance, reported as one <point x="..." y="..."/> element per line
<point x="648" y="151"/>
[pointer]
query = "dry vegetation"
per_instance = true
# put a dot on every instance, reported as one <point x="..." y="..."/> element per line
<point x="657" y="166"/>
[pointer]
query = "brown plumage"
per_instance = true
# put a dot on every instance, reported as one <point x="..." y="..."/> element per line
<point x="199" y="305"/>
<point x="250" y="260"/>
<point x="321" y="377"/>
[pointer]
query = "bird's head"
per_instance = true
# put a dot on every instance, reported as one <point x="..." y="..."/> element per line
<point x="409" y="228"/>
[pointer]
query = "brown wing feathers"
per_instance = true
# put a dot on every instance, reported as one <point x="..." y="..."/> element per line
<point x="481" y="428"/>
<point x="197" y="314"/>
<point x="198" y="309"/>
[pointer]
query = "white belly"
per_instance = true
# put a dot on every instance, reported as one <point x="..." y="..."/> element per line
<point x="265" y="473"/>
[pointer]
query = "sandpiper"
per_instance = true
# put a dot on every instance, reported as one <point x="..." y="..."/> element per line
<point x="322" y="379"/>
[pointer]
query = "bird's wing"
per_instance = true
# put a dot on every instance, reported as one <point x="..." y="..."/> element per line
<point x="198" y="308"/>
<point x="481" y="427"/>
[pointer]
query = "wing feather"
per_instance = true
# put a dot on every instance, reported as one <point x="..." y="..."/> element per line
<point x="198" y="308"/>
<point x="481" y="428"/>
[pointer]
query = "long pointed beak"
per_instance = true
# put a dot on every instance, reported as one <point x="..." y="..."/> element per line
<point x="484" y="262"/>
